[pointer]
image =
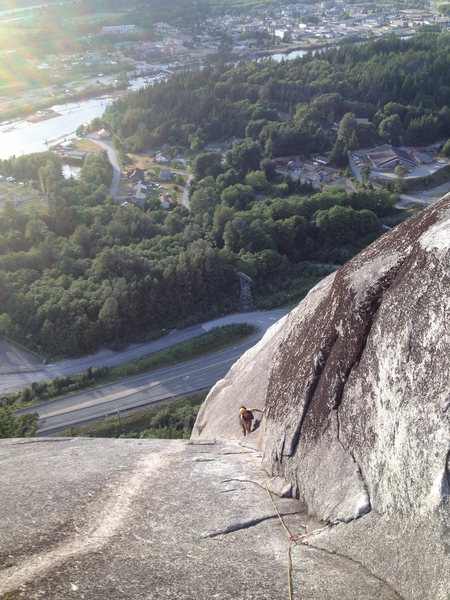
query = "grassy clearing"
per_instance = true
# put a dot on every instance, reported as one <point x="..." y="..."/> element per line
<point x="168" y="420"/>
<point x="141" y="161"/>
<point x="21" y="196"/>
<point x="87" y="145"/>
<point x="212" y="341"/>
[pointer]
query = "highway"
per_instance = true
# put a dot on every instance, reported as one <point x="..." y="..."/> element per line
<point x="180" y="380"/>
<point x="23" y="374"/>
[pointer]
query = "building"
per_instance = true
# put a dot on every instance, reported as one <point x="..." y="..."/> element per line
<point x="161" y="159"/>
<point x="165" y="201"/>
<point x="119" y="29"/>
<point x="165" y="175"/>
<point x="140" y="190"/>
<point x="136" y="175"/>
<point x="103" y="134"/>
<point x="421" y="157"/>
<point x="389" y="157"/>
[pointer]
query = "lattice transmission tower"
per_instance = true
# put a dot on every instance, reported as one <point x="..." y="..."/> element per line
<point x="245" y="298"/>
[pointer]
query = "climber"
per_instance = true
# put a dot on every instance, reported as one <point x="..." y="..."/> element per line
<point x="246" y="417"/>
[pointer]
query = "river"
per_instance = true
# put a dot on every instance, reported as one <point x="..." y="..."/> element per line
<point x="279" y="56"/>
<point x="24" y="137"/>
<point x="21" y="136"/>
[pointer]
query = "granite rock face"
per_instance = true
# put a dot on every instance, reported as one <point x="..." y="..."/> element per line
<point x="356" y="386"/>
<point x="94" y="519"/>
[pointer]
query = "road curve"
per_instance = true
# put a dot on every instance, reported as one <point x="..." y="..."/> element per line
<point x="112" y="157"/>
<point x="142" y="390"/>
<point x="15" y="381"/>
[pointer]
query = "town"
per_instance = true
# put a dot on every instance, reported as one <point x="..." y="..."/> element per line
<point x="113" y="51"/>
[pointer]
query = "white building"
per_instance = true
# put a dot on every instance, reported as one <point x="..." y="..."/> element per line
<point x="119" y="29"/>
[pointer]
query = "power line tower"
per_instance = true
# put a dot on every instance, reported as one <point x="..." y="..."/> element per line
<point x="245" y="298"/>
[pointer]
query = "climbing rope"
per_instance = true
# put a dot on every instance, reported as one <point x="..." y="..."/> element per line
<point x="292" y="539"/>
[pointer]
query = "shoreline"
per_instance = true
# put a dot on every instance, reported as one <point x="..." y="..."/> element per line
<point x="13" y="116"/>
<point x="20" y="113"/>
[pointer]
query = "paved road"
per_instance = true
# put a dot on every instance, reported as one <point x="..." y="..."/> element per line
<point x="426" y="196"/>
<point x="23" y="377"/>
<point x="112" y="156"/>
<point x="198" y="374"/>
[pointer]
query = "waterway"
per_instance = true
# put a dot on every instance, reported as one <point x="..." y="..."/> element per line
<point x="21" y="136"/>
<point x="279" y="56"/>
<point x="24" y="137"/>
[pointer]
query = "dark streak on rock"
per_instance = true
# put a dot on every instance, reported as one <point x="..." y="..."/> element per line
<point x="319" y="365"/>
<point x="446" y="492"/>
<point x="239" y="525"/>
<point x="367" y="314"/>
<point x="243" y="481"/>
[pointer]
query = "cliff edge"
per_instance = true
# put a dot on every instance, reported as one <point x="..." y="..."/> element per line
<point x="357" y="396"/>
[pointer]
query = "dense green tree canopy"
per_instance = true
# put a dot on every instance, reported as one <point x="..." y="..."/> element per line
<point x="106" y="273"/>
<point x="401" y="86"/>
<point x="83" y="271"/>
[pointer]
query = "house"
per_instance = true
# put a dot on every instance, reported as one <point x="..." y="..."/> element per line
<point x="136" y="175"/>
<point x="323" y="177"/>
<point x="165" y="201"/>
<point x="294" y="165"/>
<point x="389" y="157"/>
<point x="103" y="134"/>
<point x="160" y="158"/>
<point x="140" y="191"/>
<point x="140" y="187"/>
<point x="165" y="175"/>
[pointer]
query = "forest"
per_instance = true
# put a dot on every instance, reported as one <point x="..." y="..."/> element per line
<point x="401" y="88"/>
<point x="82" y="271"/>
